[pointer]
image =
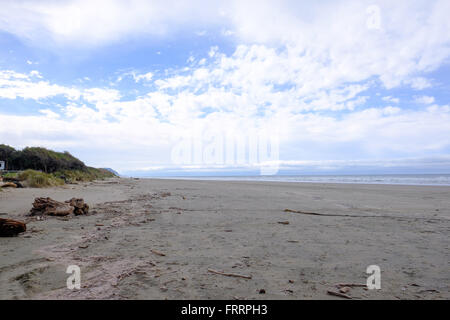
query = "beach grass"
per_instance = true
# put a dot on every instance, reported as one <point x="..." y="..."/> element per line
<point x="90" y="174"/>
<point x="38" y="179"/>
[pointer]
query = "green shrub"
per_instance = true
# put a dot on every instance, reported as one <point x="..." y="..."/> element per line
<point x="37" y="158"/>
<point x="10" y="175"/>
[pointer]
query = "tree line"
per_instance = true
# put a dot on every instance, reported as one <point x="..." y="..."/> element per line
<point x="38" y="158"/>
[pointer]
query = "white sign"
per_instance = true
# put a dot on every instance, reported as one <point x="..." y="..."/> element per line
<point x="2" y="165"/>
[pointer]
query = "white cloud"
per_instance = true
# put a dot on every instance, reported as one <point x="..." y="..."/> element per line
<point x="424" y="100"/>
<point x="391" y="99"/>
<point x="143" y="77"/>
<point x="138" y="132"/>
<point x="98" y="95"/>
<point x="316" y="37"/>
<point x="227" y="33"/>
<point x="13" y="85"/>
<point x="307" y="68"/>
<point x="49" y="113"/>
<point x="35" y="73"/>
<point x="87" y="23"/>
<point x="19" y="85"/>
<point x="419" y="83"/>
<point x="212" y="51"/>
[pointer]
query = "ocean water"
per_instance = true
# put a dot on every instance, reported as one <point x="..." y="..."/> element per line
<point x="400" y="179"/>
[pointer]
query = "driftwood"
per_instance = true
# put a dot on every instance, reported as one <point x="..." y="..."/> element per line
<point x="79" y="206"/>
<point x="18" y="184"/>
<point x="360" y="216"/>
<point x="338" y="294"/>
<point x="330" y="215"/>
<point x="8" y="185"/>
<point x="9" y="228"/>
<point x="229" y="274"/>
<point x="16" y="181"/>
<point x="48" y="206"/>
<point x="344" y="289"/>
<point x="340" y="285"/>
<point x="158" y="253"/>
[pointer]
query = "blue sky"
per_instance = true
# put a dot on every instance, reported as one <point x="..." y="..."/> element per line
<point x="336" y="86"/>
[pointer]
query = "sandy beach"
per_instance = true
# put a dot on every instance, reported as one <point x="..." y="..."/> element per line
<point x="160" y="239"/>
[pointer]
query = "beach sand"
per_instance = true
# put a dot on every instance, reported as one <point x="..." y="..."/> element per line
<point x="157" y="239"/>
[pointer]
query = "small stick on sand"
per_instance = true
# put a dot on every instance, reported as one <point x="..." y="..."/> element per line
<point x="359" y="216"/>
<point x="331" y="215"/>
<point x="229" y="274"/>
<point x="304" y="212"/>
<point x="340" y="285"/>
<point x="158" y="253"/>
<point x="338" y="294"/>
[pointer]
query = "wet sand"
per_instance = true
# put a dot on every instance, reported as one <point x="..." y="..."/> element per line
<point x="157" y="239"/>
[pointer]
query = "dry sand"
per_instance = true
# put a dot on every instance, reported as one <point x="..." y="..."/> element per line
<point x="232" y="227"/>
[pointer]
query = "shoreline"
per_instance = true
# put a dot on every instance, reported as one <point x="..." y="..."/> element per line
<point x="150" y="238"/>
<point x="252" y="179"/>
<point x="295" y="182"/>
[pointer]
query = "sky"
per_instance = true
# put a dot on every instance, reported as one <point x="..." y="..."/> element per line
<point x="174" y="87"/>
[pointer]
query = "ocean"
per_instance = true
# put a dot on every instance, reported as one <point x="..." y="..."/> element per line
<point x="400" y="179"/>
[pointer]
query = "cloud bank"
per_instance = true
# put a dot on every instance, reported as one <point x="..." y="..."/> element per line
<point x="323" y="75"/>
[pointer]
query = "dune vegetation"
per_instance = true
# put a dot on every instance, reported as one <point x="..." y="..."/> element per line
<point x="38" y="179"/>
<point x="39" y="167"/>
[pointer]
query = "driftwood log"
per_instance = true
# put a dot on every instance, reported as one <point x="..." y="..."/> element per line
<point x="230" y="274"/>
<point x="16" y="181"/>
<point x="48" y="206"/>
<point x="10" y="179"/>
<point x="10" y="228"/>
<point x="79" y="206"/>
<point x="338" y="294"/>
<point x="8" y="185"/>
